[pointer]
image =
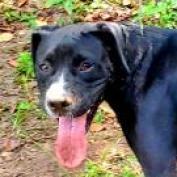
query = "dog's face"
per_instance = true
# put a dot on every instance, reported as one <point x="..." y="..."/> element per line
<point x="73" y="66"/>
<point x="72" y="70"/>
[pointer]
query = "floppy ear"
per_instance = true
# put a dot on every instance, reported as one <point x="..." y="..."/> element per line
<point x="38" y="35"/>
<point x="112" y="37"/>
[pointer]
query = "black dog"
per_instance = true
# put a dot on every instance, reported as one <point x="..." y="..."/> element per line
<point x="133" y="69"/>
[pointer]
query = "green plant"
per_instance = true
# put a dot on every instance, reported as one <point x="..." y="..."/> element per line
<point x="162" y="13"/>
<point x="24" y="72"/>
<point x="128" y="172"/>
<point x="25" y="66"/>
<point x="94" y="170"/>
<point x="19" y="116"/>
<point x="76" y="9"/>
<point x="129" y="167"/>
<point x="28" y="18"/>
<point x="99" y="117"/>
<point x="68" y="5"/>
<point x="23" y="110"/>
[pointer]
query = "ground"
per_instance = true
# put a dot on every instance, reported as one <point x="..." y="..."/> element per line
<point x="27" y="136"/>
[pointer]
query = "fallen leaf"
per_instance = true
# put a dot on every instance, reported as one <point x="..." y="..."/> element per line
<point x="20" y="3"/>
<point x="7" y="155"/>
<point x="8" y="145"/>
<point x="4" y="37"/>
<point x="12" y="62"/>
<point x="126" y="2"/>
<point x="95" y="127"/>
<point x="106" y="17"/>
<point x="41" y="22"/>
<point x="109" y="14"/>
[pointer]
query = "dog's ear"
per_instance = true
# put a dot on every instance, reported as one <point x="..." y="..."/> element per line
<point x="38" y="35"/>
<point x="112" y="37"/>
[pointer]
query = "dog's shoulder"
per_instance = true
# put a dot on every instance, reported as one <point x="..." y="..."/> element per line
<point x="151" y="53"/>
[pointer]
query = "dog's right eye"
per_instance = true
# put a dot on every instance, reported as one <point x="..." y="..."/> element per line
<point x="45" y="67"/>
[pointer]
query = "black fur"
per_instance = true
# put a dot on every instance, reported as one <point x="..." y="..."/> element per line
<point x="135" y="72"/>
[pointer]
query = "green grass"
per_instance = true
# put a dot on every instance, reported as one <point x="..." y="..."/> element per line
<point x="163" y="14"/>
<point x="22" y="108"/>
<point x="24" y="70"/>
<point x="128" y="172"/>
<point x="25" y="65"/>
<point x="68" y="5"/>
<point x="129" y="167"/>
<point x="99" y="117"/>
<point x="28" y="18"/>
<point x="93" y="169"/>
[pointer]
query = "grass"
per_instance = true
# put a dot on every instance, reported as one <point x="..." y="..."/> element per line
<point x="28" y="18"/>
<point x="68" y="5"/>
<point x="99" y="117"/>
<point x="93" y="169"/>
<point x="20" y="115"/>
<point x="24" y="70"/>
<point x="127" y="169"/>
<point x="25" y="65"/>
<point x="127" y="172"/>
<point x="162" y="13"/>
<point x="24" y="74"/>
<point x="25" y="109"/>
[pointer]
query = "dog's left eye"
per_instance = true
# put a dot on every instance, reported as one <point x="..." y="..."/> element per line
<point x="85" y="67"/>
<point x="45" y="67"/>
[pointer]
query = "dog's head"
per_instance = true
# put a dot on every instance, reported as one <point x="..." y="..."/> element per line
<point x="73" y="67"/>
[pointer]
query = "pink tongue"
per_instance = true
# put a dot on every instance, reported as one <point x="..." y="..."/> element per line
<point x="71" y="143"/>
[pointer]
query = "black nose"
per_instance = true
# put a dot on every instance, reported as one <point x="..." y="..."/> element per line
<point x="59" y="106"/>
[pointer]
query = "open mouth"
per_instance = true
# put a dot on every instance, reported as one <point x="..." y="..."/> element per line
<point x="71" y="143"/>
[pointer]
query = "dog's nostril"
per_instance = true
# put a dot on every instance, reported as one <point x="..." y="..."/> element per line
<point x="58" y="106"/>
<point x="53" y="104"/>
<point x="65" y="103"/>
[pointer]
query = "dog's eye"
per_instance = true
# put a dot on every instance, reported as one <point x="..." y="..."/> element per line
<point x="45" y="67"/>
<point x="85" y="67"/>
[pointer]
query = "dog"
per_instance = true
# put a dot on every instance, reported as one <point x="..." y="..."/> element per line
<point x="134" y="69"/>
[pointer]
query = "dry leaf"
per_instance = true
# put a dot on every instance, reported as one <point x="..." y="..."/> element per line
<point x="7" y="155"/>
<point x="126" y="2"/>
<point x="110" y="14"/>
<point x="8" y="145"/>
<point x="12" y="62"/>
<point x="41" y="22"/>
<point x="107" y="110"/>
<point x="4" y="37"/>
<point x="95" y="127"/>
<point x="20" y="3"/>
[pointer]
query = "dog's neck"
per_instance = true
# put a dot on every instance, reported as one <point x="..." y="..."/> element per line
<point x="127" y="84"/>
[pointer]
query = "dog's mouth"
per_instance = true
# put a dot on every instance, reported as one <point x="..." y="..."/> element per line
<point x="71" y="143"/>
